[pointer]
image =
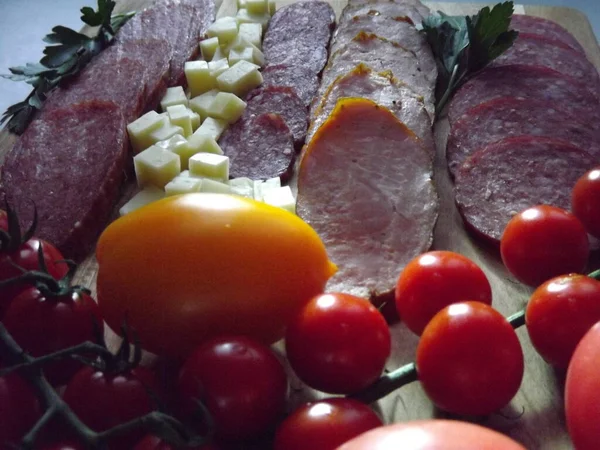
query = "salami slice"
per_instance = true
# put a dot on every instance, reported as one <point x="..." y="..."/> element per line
<point x="383" y="89"/>
<point x="259" y="147"/>
<point x="544" y="27"/>
<point x="282" y="101"/>
<point x="70" y="164"/>
<point x="510" y="117"/>
<point x="302" y="80"/>
<point x="513" y="174"/>
<point x="387" y="8"/>
<point x="531" y="82"/>
<point x="364" y="185"/>
<point x="420" y="7"/>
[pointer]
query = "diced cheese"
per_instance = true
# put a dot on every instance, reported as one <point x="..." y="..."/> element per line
<point x="218" y="67"/>
<point x="139" y="130"/>
<point x="198" y="77"/>
<point x="166" y="131"/>
<point x="210" y="165"/>
<point x="174" y="96"/>
<point x="203" y="143"/>
<point x="186" y="174"/>
<point x="146" y="196"/>
<point x="274" y="182"/>
<point x="196" y="121"/>
<point x="208" y="47"/>
<point x="257" y="6"/>
<point x="180" y="146"/>
<point x="241" y="4"/>
<point x="226" y="106"/>
<point x="225" y="28"/>
<point x="272" y="7"/>
<point x="282" y="197"/>
<point x="239" y="50"/>
<point x="244" y="16"/>
<point x="240" y="78"/>
<point x="156" y="166"/>
<point x="244" y="54"/>
<point x="257" y="190"/>
<point x="252" y="33"/>
<point x="170" y="144"/>
<point x="180" y="117"/>
<point x="242" y="186"/>
<point x="201" y="103"/>
<point x="212" y="127"/>
<point x="183" y="185"/>
<point x="214" y="187"/>
<point x="219" y="54"/>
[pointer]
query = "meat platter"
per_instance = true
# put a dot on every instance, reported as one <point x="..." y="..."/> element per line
<point x="535" y="416"/>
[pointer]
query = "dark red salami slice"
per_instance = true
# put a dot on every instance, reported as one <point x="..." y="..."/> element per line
<point x="282" y="101"/>
<point x="509" y="176"/>
<point x="365" y="186"/>
<point x="70" y="164"/>
<point x="387" y="8"/>
<point x="259" y="147"/>
<point x="302" y="52"/>
<point x="544" y="27"/>
<point x="302" y="80"/>
<point x="531" y="82"/>
<point x="510" y="117"/>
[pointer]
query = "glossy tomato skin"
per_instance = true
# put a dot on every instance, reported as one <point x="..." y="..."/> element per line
<point x="240" y="381"/>
<point x="543" y="242"/>
<point x="103" y="401"/>
<point x="582" y="392"/>
<point x="432" y="435"/>
<point x="469" y="359"/>
<point x="324" y="425"/>
<point x="585" y="201"/>
<point x="434" y="280"/>
<point x="19" y="409"/>
<point x="227" y="265"/>
<point x="155" y="443"/>
<point x="559" y="313"/>
<point x="338" y="343"/>
<point x="43" y="325"/>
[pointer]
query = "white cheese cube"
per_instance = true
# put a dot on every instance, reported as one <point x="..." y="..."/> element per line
<point x="166" y="131"/>
<point x="198" y="77"/>
<point x="244" y="16"/>
<point x="242" y="186"/>
<point x="171" y="143"/>
<point x="240" y="78"/>
<point x="203" y="143"/>
<point x="214" y="187"/>
<point x="274" y="182"/>
<point x="282" y="197"/>
<point x="180" y="117"/>
<point x="219" y="54"/>
<point x="174" y="96"/>
<point x="156" y="166"/>
<point x="225" y="28"/>
<point x="180" y="146"/>
<point x="210" y="165"/>
<point x="257" y="6"/>
<point x="239" y="48"/>
<point x="218" y="67"/>
<point x="244" y="54"/>
<point x="208" y="47"/>
<point x="195" y="117"/>
<point x="201" y="103"/>
<point x="183" y="185"/>
<point x="272" y="7"/>
<point x="257" y="190"/>
<point x="186" y="174"/>
<point x="227" y="107"/>
<point x="139" y="130"/>
<point x="212" y="127"/>
<point x="252" y="33"/>
<point x="146" y="196"/>
<point x="241" y="4"/>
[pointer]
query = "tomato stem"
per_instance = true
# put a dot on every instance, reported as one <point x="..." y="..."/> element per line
<point x="595" y="274"/>
<point x="388" y="383"/>
<point x="517" y="319"/>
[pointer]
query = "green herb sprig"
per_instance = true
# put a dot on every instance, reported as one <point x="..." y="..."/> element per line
<point x="68" y="53"/>
<point x="463" y="45"/>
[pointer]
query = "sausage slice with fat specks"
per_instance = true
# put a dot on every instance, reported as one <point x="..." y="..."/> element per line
<point x="302" y="80"/>
<point x="544" y="27"/>
<point x="382" y="8"/>
<point x="364" y="185"/>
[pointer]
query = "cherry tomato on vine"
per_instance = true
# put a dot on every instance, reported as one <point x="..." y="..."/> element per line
<point x="469" y="359"/>
<point x="19" y="409"/>
<point x="324" y="425"/>
<point x="432" y="435"/>
<point x="543" y="242"/>
<point x="151" y="442"/>
<point x="559" y="313"/>
<point x="585" y="201"/>
<point x="582" y="392"/>
<point x="434" y="280"/>
<point x="241" y="383"/>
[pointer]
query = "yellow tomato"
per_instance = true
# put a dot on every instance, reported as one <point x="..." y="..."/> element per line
<point x="198" y="265"/>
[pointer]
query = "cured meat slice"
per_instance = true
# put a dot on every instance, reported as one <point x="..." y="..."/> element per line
<point x="282" y="101"/>
<point x="513" y="174"/>
<point x="544" y="27"/>
<point x="387" y="8"/>
<point x="400" y="30"/>
<point x="537" y="50"/>
<point x="510" y="117"/>
<point x="302" y="80"/>
<point x="383" y="89"/>
<point x="380" y="54"/>
<point x="364" y="185"/>
<point x="420" y="7"/>
<point x="259" y="147"/>
<point x="531" y="82"/>
<point x="70" y="164"/>
<point x="303" y="52"/>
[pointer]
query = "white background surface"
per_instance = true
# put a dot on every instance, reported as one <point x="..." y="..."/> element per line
<point x="23" y="24"/>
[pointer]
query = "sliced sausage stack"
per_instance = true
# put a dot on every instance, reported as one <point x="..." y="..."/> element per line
<point x="364" y="181"/>
<point x="525" y="128"/>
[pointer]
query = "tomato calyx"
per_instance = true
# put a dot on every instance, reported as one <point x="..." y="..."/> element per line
<point x="12" y="239"/>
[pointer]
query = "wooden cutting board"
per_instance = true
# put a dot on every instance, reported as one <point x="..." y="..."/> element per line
<point x="535" y="417"/>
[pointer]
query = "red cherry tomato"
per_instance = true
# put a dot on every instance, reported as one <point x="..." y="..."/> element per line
<point x="432" y="435"/>
<point x="338" y="343"/>
<point x="434" y="280"/>
<point x="44" y="324"/>
<point x="559" y="313"/>
<point x="469" y="359"/>
<point x="324" y="425"/>
<point x="155" y="443"/>
<point x="19" y="409"/>
<point x="582" y="392"/>
<point x="241" y="383"/>
<point x="585" y="201"/>
<point x="104" y="400"/>
<point x="543" y="242"/>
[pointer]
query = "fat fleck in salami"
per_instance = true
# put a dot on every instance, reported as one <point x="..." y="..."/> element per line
<point x="546" y="28"/>
<point x="301" y="79"/>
